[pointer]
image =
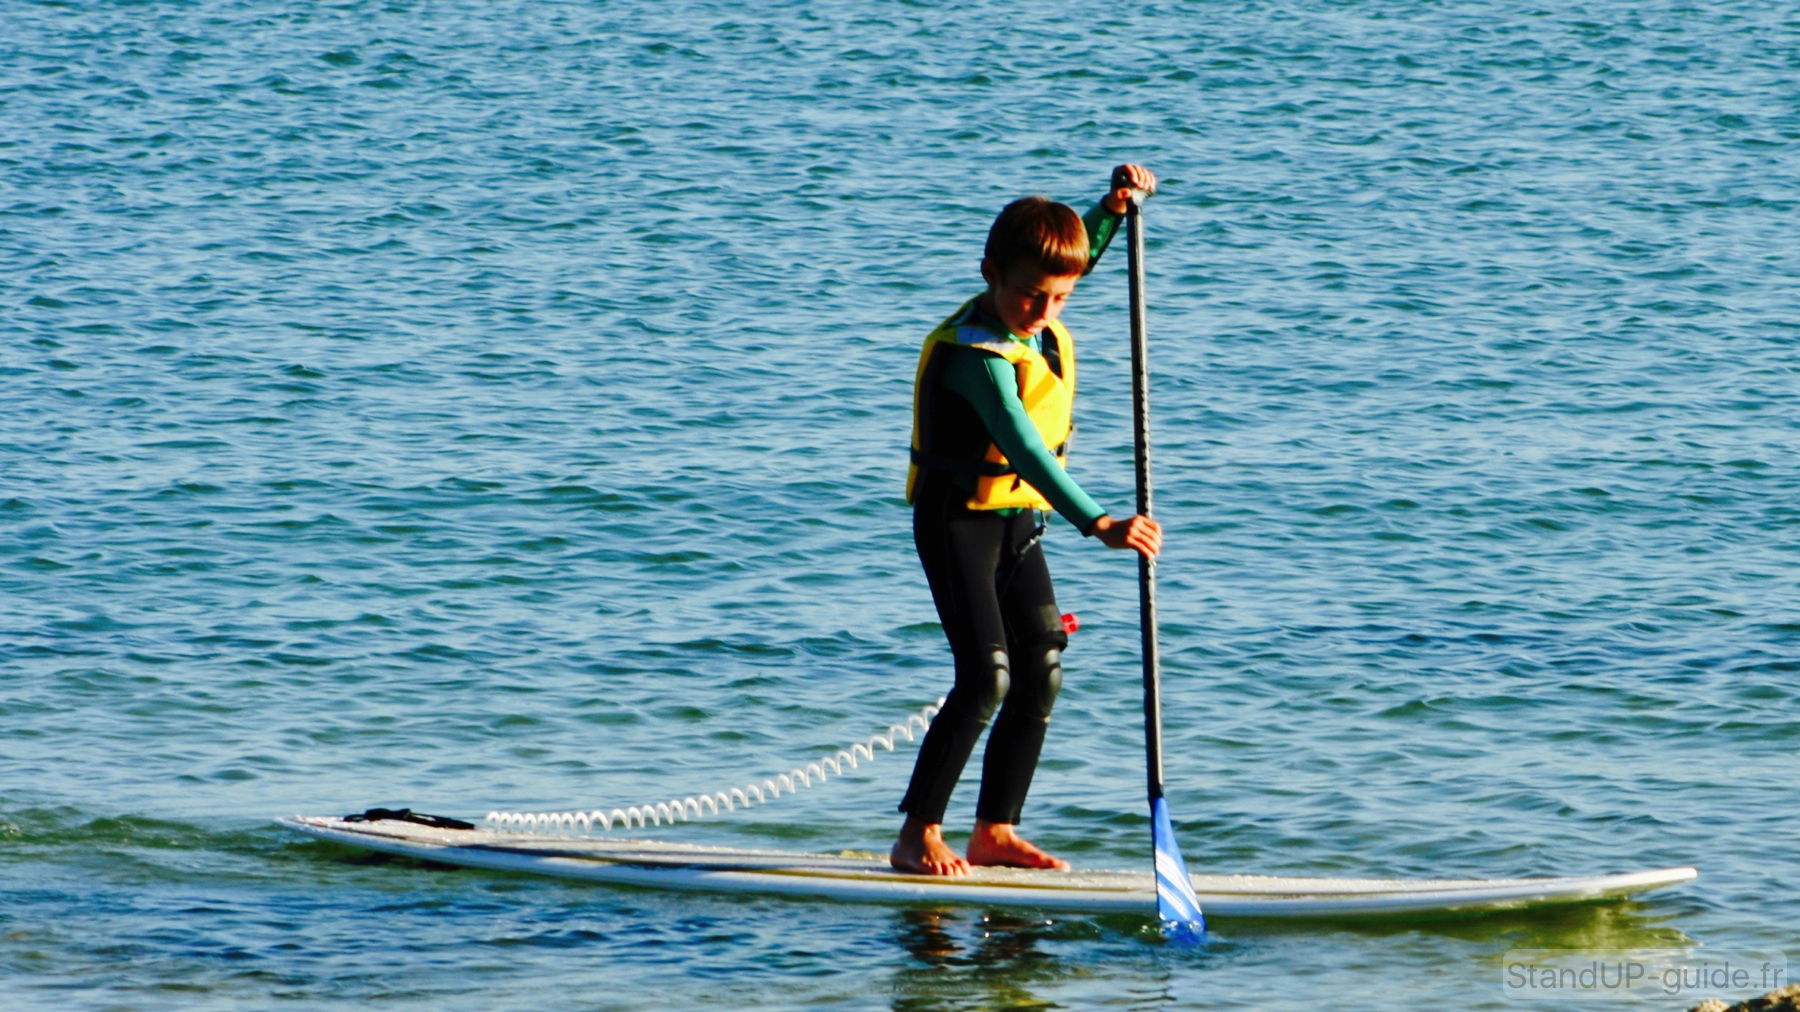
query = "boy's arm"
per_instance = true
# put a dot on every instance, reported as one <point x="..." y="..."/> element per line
<point x="988" y="383"/>
<point x="1102" y="224"/>
<point x="1102" y="220"/>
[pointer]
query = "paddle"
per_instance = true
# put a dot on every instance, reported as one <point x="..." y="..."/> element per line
<point x="1176" y="903"/>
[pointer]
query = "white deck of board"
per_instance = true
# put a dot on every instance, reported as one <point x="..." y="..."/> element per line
<point x="867" y="878"/>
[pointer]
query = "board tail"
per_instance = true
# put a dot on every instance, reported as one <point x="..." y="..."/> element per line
<point x="1176" y="904"/>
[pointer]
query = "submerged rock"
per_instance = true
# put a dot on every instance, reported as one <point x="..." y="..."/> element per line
<point x="1782" y="999"/>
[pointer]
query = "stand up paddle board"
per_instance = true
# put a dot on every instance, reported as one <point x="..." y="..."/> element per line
<point x="867" y="878"/>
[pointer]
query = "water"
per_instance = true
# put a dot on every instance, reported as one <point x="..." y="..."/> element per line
<point x="467" y="405"/>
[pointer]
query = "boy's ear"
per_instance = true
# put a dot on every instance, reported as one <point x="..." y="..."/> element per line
<point x="987" y="273"/>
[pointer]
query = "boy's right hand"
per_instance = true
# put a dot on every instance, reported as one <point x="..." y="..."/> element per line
<point x="1125" y="179"/>
<point x="1139" y="533"/>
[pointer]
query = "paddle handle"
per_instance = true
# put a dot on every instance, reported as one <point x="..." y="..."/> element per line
<point x="1140" y="415"/>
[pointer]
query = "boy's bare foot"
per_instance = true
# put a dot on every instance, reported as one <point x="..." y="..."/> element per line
<point x="921" y="849"/>
<point x="999" y="843"/>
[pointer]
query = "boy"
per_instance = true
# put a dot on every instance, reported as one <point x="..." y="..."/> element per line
<point x="992" y="406"/>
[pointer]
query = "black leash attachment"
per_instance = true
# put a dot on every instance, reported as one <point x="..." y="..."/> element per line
<point x="1011" y="565"/>
<point x="408" y="815"/>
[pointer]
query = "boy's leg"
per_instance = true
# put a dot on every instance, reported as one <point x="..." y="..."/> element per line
<point x="959" y="549"/>
<point x="1035" y="641"/>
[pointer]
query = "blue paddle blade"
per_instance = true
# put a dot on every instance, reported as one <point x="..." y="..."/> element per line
<point x="1176" y="903"/>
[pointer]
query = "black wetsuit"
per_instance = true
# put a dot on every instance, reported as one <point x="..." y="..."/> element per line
<point x="987" y="571"/>
<point x="988" y="577"/>
<point x="993" y="595"/>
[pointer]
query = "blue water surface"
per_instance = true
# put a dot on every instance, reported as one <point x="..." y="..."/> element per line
<point x="504" y="404"/>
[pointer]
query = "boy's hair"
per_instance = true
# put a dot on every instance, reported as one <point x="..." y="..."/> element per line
<point x="1040" y="232"/>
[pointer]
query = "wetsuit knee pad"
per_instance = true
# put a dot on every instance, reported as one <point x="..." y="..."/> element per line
<point x="1053" y="671"/>
<point x="1040" y="677"/>
<point x="986" y="675"/>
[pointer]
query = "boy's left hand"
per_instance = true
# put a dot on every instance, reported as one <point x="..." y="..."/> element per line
<point x="1138" y="533"/>
<point x="1125" y="179"/>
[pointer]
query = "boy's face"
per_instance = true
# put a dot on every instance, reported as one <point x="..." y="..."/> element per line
<point x="1025" y="298"/>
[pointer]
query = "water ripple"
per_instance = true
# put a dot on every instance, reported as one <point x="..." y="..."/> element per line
<point x="403" y="410"/>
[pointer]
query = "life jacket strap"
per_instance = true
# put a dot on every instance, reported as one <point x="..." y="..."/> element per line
<point x="939" y="462"/>
<point x="985" y="468"/>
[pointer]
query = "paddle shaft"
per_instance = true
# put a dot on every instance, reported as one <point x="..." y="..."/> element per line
<point x="1140" y="414"/>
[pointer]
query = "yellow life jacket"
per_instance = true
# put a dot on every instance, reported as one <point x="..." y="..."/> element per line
<point x="1046" y="388"/>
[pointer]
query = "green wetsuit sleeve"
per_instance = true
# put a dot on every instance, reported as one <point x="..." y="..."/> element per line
<point x="1102" y="225"/>
<point x="988" y="383"/>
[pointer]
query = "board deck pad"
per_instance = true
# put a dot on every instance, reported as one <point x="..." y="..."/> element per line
<point x="868" y="878"/>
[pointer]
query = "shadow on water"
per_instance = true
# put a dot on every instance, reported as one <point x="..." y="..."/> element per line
<point x="1611" y="924"/>
<point x="964" y="958"/>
